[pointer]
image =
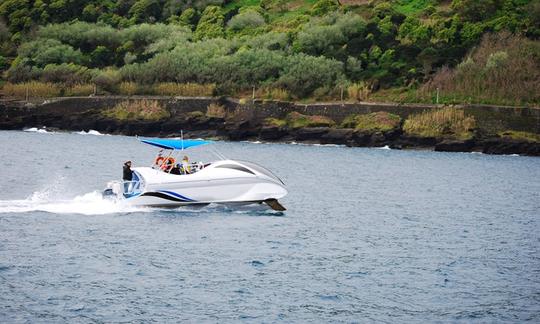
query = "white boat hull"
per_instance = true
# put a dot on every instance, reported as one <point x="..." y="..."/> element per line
<point x="226" y="182"/>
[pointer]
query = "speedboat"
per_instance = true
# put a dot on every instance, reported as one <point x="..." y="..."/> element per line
<point x="167" y="183"/>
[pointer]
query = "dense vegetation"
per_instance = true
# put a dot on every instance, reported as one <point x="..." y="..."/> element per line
<point x="319" y="49"/>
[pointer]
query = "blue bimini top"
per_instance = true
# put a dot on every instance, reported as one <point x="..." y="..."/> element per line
<point x="173" y="144"/>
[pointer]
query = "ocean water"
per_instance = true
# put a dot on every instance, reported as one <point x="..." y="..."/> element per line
<point x="370" y="235"/>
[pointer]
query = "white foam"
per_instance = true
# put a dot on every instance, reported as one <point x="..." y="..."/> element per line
<point x="91" y="203"/>
<point x="90" y="132"/>
<point x="38" y="130"/>
<point x="329" y="145"/>
<point x="386" y="147"/>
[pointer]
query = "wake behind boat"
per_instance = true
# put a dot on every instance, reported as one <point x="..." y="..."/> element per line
<point x="169" y="183"/>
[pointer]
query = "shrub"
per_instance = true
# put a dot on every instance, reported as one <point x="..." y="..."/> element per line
<point x="49" y="51"/>
<point x="358" y="91"/>
<point x="273" y="93"/>
<point x="327" y="35"/>
<point x="322" y="7"/>
<point x="271" y="41"/>
<point x="35" y="90"/>
<point x="66" y="73"/>
<point x="448" y="122"/>
<point x="145" y="11"/>
<point x="520" y="136"/>
<point x="211" y="23"/>
<point x="184" y="89"/>
<point x="107" y="79"/>
<point x="83" y="35"/>
<point x="79" y="90"/>
<point x="274" y="122"/>
<point x="380" y="121"/>
<point x="128" y="88"/>
<point x="303" y="74"/>
<point x="504" y="69"/>
<point x="19" y="72"/>
<point x="188" y="18"/>
<point x="215" y="110"/>
<point x="246" y="19"/>
<point x="298" y="120"/>
<point x="137" y="110"/>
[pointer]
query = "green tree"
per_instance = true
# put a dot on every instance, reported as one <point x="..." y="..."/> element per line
<point x="322" y="7"/>
<point x="211" y="23"/>
<point x="145" y="11"/>
<point x="475" y="10"/>
<point x="246" y="20"/>
<point x="102" y="57"/>
<point x="304" y="74"/>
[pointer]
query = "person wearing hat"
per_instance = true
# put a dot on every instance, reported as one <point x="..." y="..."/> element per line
<point x="128" y="176"/>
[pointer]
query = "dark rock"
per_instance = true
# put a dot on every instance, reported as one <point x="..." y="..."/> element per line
<point x="361" y="139"/>
<point x="272" y="133"/>
<point x="378" y="139"/>
<point x="337" y="136"/>
<point x="143" y="128"/>
<point x="107" y="125"/>
<point x="197" y="122"/>
<point x="509" y="146"/>
<point x="310" y="134"/>
<point x="195" y="134"/>
<point x="454" y="146"/>
<point x="173" y="125"/>
<point x="416" y="141"/>
<point x="393" y="134"/>
<point x="238" y="131"/>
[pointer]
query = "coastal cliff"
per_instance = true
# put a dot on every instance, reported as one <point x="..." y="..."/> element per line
<point x="496" y="129"/>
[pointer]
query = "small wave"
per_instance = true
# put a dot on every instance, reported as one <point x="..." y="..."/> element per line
<point x="386" y="147"/>
<point x="38" y="130"/>
<point x="90" y="132"/>
<point x="329" y="145"/>
<point x="91" y="203"/>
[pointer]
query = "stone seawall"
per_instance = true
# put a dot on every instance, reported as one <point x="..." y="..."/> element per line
<point x="491" y="119"/>
<point x="245" y="121"/>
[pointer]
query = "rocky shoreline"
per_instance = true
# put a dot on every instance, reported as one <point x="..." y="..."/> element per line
<point x="236" y="127"/>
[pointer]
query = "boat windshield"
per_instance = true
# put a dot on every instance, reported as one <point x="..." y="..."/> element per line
<point x="262" y="170"/>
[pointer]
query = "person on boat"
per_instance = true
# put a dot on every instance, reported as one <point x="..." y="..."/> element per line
<point x="128" y="176"/>
<point x="176" y="169"/>
<point x="185" y="165"/>
<point x="159" y="159"/>
<point x="168" y="164"/>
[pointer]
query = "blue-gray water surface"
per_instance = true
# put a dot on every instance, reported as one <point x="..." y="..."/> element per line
<point x="369" y="235"/>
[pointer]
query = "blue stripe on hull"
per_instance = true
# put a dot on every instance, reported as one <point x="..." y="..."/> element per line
<point x="176" y="195"/>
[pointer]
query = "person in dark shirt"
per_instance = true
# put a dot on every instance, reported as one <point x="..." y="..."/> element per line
<point x="128" y="175"/>
<point x="176" y="169"/>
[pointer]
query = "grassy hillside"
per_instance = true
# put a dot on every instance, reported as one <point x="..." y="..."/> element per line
<point x="302" y="49"/>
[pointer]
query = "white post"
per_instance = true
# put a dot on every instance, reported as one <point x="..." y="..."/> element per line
<point x="437" y="96"/>
<point x="182" y="137"/>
